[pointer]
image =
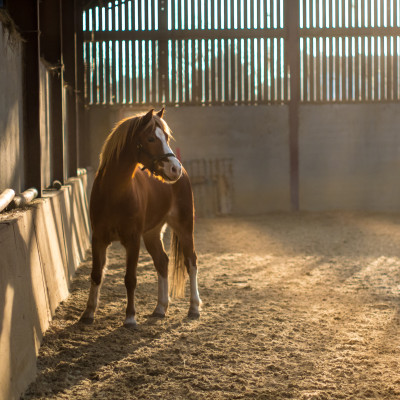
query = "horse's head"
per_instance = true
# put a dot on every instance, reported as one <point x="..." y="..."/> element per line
<point x="153" y="147"/>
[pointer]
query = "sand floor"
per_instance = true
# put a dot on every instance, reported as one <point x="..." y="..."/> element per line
<point x="295" y="306"/>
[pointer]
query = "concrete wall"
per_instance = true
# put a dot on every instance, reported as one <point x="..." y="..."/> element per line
<point x="350" y="157"/>
<point x="40" y="248"/>
<point x="11" y="108"/>
<point x="256" y="138"/>
<point x="349" y="153"/>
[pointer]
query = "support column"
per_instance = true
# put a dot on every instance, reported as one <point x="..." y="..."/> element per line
<point x="293" y="60"/>
<point x="25" y="14"/>
<point x="68" y="56"/>
<point x="50" y="46"/>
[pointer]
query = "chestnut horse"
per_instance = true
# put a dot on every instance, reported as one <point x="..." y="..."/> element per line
<point x="128" y="202"/>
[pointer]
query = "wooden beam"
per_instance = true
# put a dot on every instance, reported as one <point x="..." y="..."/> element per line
<point x="89" y="36"/>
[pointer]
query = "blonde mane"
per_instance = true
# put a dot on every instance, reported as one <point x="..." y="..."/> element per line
<point x="116" y="140"/>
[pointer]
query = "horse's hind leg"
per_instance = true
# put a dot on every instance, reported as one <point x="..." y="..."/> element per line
<point x="190" y="258"/>
<point x="99" y="260"/>
<point x="184" y="232"/>
<point x="154" y="246"/>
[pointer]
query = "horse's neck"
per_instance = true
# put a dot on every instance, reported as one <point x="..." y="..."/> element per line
<point x="118" y="175"/>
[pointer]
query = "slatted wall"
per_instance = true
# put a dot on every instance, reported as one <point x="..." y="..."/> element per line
<point x="233" y="51"/>
<point x="185" y="52"/>
<point x="349" y="50"/>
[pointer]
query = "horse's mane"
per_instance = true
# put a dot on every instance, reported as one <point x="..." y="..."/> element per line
<point x="124" y="129"/>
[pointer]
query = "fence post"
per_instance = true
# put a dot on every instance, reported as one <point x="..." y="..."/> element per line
<point x="293" y="62"/>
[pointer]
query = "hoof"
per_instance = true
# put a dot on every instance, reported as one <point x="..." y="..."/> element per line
<point x="86" y="320"/>
<point x="157" y="314"/>
<point x="193" y="315"/>
<point x="132" y="326"/>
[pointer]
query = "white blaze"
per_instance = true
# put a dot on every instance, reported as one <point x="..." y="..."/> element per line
<point x="172" y="163"/>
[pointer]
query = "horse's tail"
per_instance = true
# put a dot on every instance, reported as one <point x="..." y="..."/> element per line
<point x="177" y="272"/>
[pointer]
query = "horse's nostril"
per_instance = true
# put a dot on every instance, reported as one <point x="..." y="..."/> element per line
<point x="174" y="170"/>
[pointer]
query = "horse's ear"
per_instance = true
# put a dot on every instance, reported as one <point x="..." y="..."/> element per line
<point x="161" y="112"/>
<point x="147" y="118"/>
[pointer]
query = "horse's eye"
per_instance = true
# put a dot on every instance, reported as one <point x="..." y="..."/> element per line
<point x="151" y="139"/>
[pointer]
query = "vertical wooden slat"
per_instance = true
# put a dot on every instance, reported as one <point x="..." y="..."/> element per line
<point x="224" y="69"/>
<point x="344" y="70"/>
<point x="245" y="13"/>
<point x="272" y="70"/>
<point x="267" y="61"/>
<point x="252" y="15"/>
<point x="371" y="71"/>
<point x="181" y="69"/>
<point x="154" y="21"/>
<point x="101" y="74"/>
<point x="312" y="71"/>
<point x="127" y="21"/>
<point x="87" y="72"/>
<point x="185" y="61"/>
<point x="241" y="69"/>
<point x="331" y="70"/>
<point x="199" y="85"/>
<point x="364" y="66"/>
<point x="219" y="70"/>
<point x="324" y="70"/>
<point x="350" y="61"/>
<point x="250" y="70"/>
<point x="337" y="70"/>
<point x="278" y="69"/>
<point x="120" y="72"/>
<point x="146" y="72"/>
<point x="107" y="94"/>
<point x="253" y="77"/>
<point x="213" y="73"/>
<point x="306" y="71"/>
<point x="395" y="68"/>
<point x="382" y="69"/>
<point x="355" y="13"/>
<point x="140" y="71"/>
<point x="357" y="74"/>
<point x="375" y="76"/>
<point x="205" y="16"/>
<point x="127" y="68"/>
<point x="112" y="75"/>
<point x="318" y="69"/>
<point x="193" y="15"/>
<point x="376" y="12"/>
<point x="245" y="66"/>
<point x="390" y="68"/>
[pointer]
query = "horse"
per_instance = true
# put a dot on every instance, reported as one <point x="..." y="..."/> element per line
<point x="140" y="186"/>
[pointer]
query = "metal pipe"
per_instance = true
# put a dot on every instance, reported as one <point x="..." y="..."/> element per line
<point x="24" y="198"/>
<point x="6" y="198"/>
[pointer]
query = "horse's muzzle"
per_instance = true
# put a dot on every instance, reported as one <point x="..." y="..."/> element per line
<point x="172" y="170"/>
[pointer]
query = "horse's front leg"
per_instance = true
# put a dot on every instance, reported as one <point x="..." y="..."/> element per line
<point x="99" y="248"/>
<point x="132" y="256"/>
